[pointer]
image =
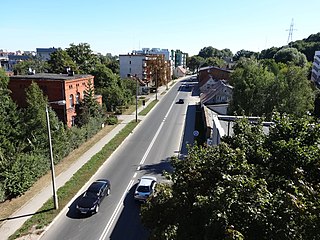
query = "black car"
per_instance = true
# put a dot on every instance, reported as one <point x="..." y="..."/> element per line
<point x="91" y="199"/>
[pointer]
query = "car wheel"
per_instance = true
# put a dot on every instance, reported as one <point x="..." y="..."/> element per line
<point x="108" y="191"/>
<point x="97" y="209"/>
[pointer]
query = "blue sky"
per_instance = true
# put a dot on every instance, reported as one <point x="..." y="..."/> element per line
<point x="120" y="26"/>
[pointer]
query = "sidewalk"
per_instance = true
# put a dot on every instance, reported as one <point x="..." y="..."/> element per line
<point x="17" y="219"/>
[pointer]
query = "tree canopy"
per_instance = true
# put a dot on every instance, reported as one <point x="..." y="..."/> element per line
<point x="252" y="186"/>
<point x="260" y="88"/>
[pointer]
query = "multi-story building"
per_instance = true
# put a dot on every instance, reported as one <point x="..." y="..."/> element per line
<point x="56" y="87"/>
<point x="179" y="58"/>
<point x="145" y="67"/>
<point x="315" y="74"/>
<point x="44" y="53"/>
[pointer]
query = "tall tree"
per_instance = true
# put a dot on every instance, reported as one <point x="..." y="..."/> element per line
<point x="23" y="67"/>
<point x="262" y="88"/>
<point x="252" y="186"/>
<point x="60" y="61"/>
<point x="251" y="82"/>
<point x="88" y="107"/>
<point x="83" y="56"/>
<point x="195" y="62"/>
<point x="11" y="134"/>
<point x="286" y="55"/>
<point x="245" y="54"/>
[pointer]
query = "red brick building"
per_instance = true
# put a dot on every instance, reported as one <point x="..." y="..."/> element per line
<point x="56" y="87"/>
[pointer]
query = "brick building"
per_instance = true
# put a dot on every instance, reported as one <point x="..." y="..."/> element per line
<point x="68" y="87"/>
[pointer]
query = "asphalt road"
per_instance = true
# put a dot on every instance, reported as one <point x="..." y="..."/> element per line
<point x="162" y="134"/>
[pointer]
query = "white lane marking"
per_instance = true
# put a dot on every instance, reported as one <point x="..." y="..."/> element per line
<point x="155" y="137"/>
<point x="116" y="212"/>
<point x="120" y="203"/>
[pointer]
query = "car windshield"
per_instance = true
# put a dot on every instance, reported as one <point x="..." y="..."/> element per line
<point x="143" y="189"/>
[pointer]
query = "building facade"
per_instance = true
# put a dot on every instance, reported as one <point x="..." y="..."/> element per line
<point x="147" y="67"/>
<point x="56" y="87"/>
<point x="315" y="74"/>
<point x="44" y="53"/>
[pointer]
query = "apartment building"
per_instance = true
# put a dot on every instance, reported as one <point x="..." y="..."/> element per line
<point x="152" y="69"/>
<point x="69" y="87"/>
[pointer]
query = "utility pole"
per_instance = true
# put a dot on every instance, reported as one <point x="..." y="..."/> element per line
<point x="290" y="33"/>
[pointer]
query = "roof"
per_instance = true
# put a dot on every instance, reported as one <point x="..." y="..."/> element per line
<point x="212" y="67"/>
<point x="146" y="180"/>
<point x="211" y="93"/>
<point x="50" y="76"/>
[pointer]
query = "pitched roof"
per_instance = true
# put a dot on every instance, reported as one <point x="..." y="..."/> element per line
<point x="211" y="93"/>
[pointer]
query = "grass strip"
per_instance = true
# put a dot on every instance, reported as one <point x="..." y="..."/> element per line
<point x="148" y="108"/>
<point x="47" y="213"/>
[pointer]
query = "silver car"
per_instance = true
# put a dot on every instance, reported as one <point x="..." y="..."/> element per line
<point x="145" y="188"/>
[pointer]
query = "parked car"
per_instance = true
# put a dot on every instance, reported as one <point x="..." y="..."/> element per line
<point x="93" y="196"/>
<point x="145" y="188"/>
<point x="181" y="101"/>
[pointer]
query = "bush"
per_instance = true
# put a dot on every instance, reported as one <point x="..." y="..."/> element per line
<point x="112" y="120"/>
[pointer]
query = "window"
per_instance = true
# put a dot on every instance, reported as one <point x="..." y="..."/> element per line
<point x="78" y="98"/>
<point x="71" y="100"/>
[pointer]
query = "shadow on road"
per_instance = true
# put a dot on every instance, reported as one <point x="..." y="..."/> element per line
<point x="129" y="226"/>
<point x="159" y="168"/>
<point x="188" y="138"/>
<point x="73" y="212"/>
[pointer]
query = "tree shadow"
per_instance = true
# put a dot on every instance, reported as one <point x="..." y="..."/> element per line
<point x="158" y="168"/>
<point x="129" y="226"/>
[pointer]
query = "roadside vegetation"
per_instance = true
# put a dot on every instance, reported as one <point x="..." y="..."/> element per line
<point x="148" y="108"/>
<point x="251" y="186"/>
<point x="47" y="213"/>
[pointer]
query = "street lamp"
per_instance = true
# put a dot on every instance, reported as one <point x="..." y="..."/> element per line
<point x="136" y="78"/>
<point x="136" y="98"/>
<point x="54" y="190"/>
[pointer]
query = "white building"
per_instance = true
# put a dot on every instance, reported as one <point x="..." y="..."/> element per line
<point x="315" y="74"/>
<point x="132" y="64"/>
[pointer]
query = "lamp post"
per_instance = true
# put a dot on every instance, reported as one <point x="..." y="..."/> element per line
<point x="136" y="98"/>
<point x="157" y="83"/>
<point x="54" y="190"/>
<point x="136" y="79"/>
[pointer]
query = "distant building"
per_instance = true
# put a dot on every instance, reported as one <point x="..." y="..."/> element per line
<point x="179" y="58"/>
<point x="143" y="66"/>
<point x="154" y="51"/>
<point x="56" y="87"/>
<point x="44" y="53"/>
<point x="315" y="74"/>
<point x="208" y="75"/>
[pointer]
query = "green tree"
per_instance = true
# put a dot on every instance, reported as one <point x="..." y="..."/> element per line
<point x="286" y="55"/>
<point x="60" y="61"/>
<point x="244" y="54"/>
<point x="11" y="134"/>
<point x="83" y="56"/>
<point x="195" y="62"/>
<point x="297" y="95"/>
<point x="260" y="88"/>
<point x="88" y="108"/>
<point x="214" y="61"/>
<point x="252" y="186"/>
<point x="39" y="66"/>
<point x="251" y="82"/>
<point x="268" y="53"/>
